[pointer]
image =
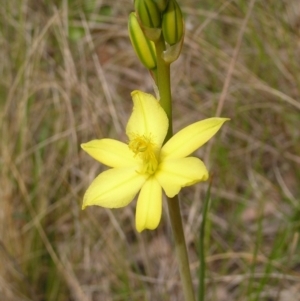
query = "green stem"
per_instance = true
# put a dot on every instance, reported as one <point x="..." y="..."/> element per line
<point x="164" y="87"/>
<point x="164" y="84"/>
<point x="180" y="247"/>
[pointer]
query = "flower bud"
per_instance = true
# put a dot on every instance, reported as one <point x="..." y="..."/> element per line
<point x="172" y="23"/>
<point x="161" y="4"/>
<point x="144" y="48"/>
<point x="148" y="13"/>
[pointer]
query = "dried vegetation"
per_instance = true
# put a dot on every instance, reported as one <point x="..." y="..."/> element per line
<point x="66" y="73"/>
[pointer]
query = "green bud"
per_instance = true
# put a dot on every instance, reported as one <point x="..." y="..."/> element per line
<point x="172" y="23"/>
<point x="148" y="13"/>
<point x="161" y="4"/>
<point x="144" y="48"/>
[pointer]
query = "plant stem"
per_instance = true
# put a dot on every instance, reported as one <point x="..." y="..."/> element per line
<point x="164" y="87"/>
<point x="180" y="247"/>
<point x="164" y="84"/>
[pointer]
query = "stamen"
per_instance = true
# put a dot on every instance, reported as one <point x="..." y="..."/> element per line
<point x="143" y="147"/>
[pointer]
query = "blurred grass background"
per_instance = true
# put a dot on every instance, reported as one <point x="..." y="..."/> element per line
<point x="66" y="72"/>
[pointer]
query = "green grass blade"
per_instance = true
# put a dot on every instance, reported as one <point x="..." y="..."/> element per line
<point x="201" y="247"/>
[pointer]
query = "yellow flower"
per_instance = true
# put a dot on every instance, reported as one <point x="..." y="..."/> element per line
<point x="145" y="164"/>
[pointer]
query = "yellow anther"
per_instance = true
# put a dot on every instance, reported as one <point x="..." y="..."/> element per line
<point x="143" y="147"/>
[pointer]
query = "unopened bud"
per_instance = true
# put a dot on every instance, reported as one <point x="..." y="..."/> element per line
<point x="161" y="4"/>
<point x="144" y="48"/>
<point x="172" y="23"/>
<point x="148" y="13"/>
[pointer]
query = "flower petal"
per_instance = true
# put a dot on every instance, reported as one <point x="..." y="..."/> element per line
<point x="191" y="138"/>
<point x="147" y="119"/>
<point x="114" y="188"/>
<point x="149" y="206"/>
<point x="110" y="152"/>
<point x="172" y="175"/>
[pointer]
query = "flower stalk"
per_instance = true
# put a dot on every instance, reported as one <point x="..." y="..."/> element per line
<point x="164" y="87"/>
<point x="164" y="83"/>
<point x="180" y="247"/>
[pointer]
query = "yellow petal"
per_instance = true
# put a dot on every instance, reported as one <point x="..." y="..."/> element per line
<point x="110" y="152"/>
<point x="191" y="138"/>
<point x="114" y="188"/>
<point x="148" y="118"/>
<point x="149" y="206"/>
<point x="172" y="175"/>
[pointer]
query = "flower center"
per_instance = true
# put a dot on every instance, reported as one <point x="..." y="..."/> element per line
<point x="143" y="147"/>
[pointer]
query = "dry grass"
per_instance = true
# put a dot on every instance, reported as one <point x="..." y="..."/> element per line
<point x="66" y="73"/>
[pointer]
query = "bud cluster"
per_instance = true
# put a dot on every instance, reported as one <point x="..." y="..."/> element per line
<point x="152" y="20"/>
